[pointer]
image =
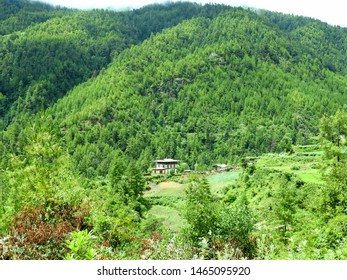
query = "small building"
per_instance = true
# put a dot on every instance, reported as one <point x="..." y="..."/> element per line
<point x="164" y="166"/>
<point x="220" y="167"/>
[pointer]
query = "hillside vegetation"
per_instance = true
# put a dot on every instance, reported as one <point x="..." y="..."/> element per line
<point x="88" y="99"/>
<point x="46" y="51"/>
<point x="204" y="91"/>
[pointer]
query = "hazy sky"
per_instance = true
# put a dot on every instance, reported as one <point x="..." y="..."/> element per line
<point x="332" y="11"/>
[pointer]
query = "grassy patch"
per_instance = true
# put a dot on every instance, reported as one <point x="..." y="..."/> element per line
<point x="310" y="176"/>
<point x="220" y="180"/>
<point x="171" y="217"/>
<point x="224" y="177"/>
<point x="307" y="167"/>
<point x="166" y="199"/>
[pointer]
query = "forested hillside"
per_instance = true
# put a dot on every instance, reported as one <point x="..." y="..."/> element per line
<point x="45" y="51"/>
<point x="88" y="99"/>
<point x="205" y="91"/>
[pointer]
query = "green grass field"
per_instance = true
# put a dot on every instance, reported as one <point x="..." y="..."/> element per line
<point x="171" y="217"/>
<point x="167" y="198"/>
<point x="310" y="176"/>
<point x="220" y="180"/>
<point x="307" y="166"/>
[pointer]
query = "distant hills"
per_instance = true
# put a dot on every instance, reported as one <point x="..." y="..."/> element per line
<point x="203" y="84"/>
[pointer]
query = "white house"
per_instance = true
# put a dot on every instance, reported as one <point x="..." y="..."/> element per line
<point x="164" y="166"/>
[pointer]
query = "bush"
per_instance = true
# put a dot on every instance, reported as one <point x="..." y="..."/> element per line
<point x="81" y="245"/>
<point x="165" y="246"/>
<point x="39" y="232"/>
<point x="200" y="210"/>
<point x="234" y="225"/>
<point x="221" y="225"/>
<point x="295" y="167"/>
<point x="336" y="231"/>
<point x="316" y="165"/>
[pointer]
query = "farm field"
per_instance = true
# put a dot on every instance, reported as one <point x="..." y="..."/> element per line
<point x="168" y="197"/>
<point x="168" y="188"/>
<point x="306" y="163"/>
<point x="218" y="181"/>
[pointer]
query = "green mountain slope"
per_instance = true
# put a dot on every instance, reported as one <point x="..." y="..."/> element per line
<point x="206" y="91"/>
<point x="46" y="51"/>
<point x="16" y="15"/>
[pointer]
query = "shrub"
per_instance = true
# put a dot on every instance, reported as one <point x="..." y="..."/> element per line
<point x="336" y="231"/>
<point x="81" y="245"/>
<point x="234" y="225"/>
<point x="39" y="232"/>
<point x="165" y="246"/>
<point x="200" y="209"/>
<point x="221" y="225"/>
<point x="295" y="167"/>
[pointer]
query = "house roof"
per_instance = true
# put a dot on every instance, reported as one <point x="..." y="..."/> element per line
<point x="167" y="160"/>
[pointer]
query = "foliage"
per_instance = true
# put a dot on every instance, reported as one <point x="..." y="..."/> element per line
<point x="166" y="246"/>
<point x="215" y="223"/>
<point x="40" y="232"/>
<point x="127" y="187"/>
<point x="333" y="135"/>
<point x="334" y="193"/>
<point x="285" y="201"/>
<point x="88" y="99"/>
<point x="200" y="211"/>
<point x="80" y="245"/>
<point x="235" y="224"/>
